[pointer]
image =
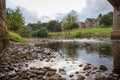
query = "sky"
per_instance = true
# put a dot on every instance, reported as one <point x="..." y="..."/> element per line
<point x="46" y="10"/>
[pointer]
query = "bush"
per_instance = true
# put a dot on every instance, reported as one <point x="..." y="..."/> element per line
<point x="106" y="20"/>
<point x="15" y="37"/>
<point x="42" y="32"/>
<point x="25" y="32"/>
<point x="78" y="35"/>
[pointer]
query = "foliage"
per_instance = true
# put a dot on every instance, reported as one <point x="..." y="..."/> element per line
<point x="54" y="26"/>
<point x="37" y="26"/>
<point x="15" y="37"/>
<point x="87" y="33"/>
<point x="42" y="32"/>
<point x="106" y="20"/>
<point x="25" y="32"/>
<point x="70" y="21"/>
<point x="15" y="19"/>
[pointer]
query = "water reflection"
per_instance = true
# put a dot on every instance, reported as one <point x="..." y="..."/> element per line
<point x="95" y="53"/>
<point x="116" y="52"/>
<point x="71" y="48"/>
<point x="76" y="53"/>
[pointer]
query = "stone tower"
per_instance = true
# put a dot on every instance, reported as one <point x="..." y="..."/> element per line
<point x="116" y="20"/>
<point x="3" y="29"/>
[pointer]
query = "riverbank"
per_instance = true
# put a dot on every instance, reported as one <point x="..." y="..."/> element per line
<point x="82" y="33"/>
<point x="15" y="64"/>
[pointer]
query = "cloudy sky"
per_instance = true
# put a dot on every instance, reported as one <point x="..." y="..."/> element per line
<point x="45" y="10"/>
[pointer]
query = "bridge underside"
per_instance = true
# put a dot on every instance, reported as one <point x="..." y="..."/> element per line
<point x="4" y="35"/>
<point x="3" y="29"/>
<point x="116" y="19"/>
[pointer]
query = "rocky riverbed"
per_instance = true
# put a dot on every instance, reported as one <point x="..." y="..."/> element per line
<point x="14" y="65"/>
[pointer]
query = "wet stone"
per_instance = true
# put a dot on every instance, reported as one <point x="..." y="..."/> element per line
<point x="54" y="77"/>
<point x="103" y="68"/>
<point x="100" y="77"/>
<point x="77" y="72"/>
<point x="80" y="65"/>
<point x="86" y="67"/>
<point x="80" y="77"/>
<point x="33" y="75"/>
<point x="71" y="75"/>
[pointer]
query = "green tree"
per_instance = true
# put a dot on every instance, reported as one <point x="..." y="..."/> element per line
<point x="54" y="26"/>
<point x="43" y="32"/>
<point x="70" y="21"/>
<point x="25" y="32"/>
<point x="106" y="20"/>
<point x="15" y="20"/>
<point x="37" y="26"/>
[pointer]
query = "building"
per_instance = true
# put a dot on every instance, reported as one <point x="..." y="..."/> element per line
<point x="81" y="25"/>
<point x="91" y="22"/>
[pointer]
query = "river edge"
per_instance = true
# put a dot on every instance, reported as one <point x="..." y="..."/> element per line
<point x="46" y="40"/>
<point x="18" y="53"/>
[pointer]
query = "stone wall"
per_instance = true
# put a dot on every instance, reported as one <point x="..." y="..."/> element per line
<point x="91" y="22"/>
<point x="4" y="41"/>
<point x="81" y="25"/>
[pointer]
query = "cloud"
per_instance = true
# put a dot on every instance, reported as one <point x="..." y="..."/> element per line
<point x="45" y="18"/>
<point x="93" y="8"/>
<point x="59" y="16"/>
<point x="29" y="15"/>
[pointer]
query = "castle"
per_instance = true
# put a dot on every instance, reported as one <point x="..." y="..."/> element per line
<point x="89" y="23"/>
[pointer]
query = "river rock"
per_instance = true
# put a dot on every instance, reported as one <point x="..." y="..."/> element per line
<point x="32" y="75"/>
<point x="54" y="77"/>
<point x="71" y="75"/>
<point x="100" y="77"/>
<point x="61" y="70"/>
<point x="80" y="65"/>
<point x="80" y="77"/>
<point x="86" y="67"/>
<point x="103" y="68"/>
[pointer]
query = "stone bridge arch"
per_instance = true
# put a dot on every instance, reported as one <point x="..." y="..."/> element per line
<point x="3" y="29"/>
<point x="116" y="19"/>
<point x="4" y="35"/>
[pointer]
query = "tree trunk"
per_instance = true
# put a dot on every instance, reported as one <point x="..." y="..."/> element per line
<point x="3" y="29"/>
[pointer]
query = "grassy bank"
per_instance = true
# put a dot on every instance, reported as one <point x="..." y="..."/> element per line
<point x="15" y="37"/>
<point x="83" y="33"/>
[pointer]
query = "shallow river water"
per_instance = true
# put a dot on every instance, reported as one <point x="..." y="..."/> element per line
<point x="73" y="53"/>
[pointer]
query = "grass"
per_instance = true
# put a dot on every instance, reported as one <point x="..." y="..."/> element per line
<point x="76" y="33"/>
<point x="15" y="37"/>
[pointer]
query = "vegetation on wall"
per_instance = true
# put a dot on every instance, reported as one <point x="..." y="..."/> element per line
<point x="106" y="20"/>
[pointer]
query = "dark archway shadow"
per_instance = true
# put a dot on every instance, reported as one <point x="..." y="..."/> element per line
<point x="116" y="53"/>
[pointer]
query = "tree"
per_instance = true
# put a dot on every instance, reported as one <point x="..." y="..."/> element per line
<point x="42" y="32"/>
<point x="54" y="26"/>
<point x="70" y="21"/>
<point x="37" y="26"/>
<point x="106" y="20"/>
<point x="99" y="16"/>
<point x="15" y="20"/>
<point x="25" y="32"/>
